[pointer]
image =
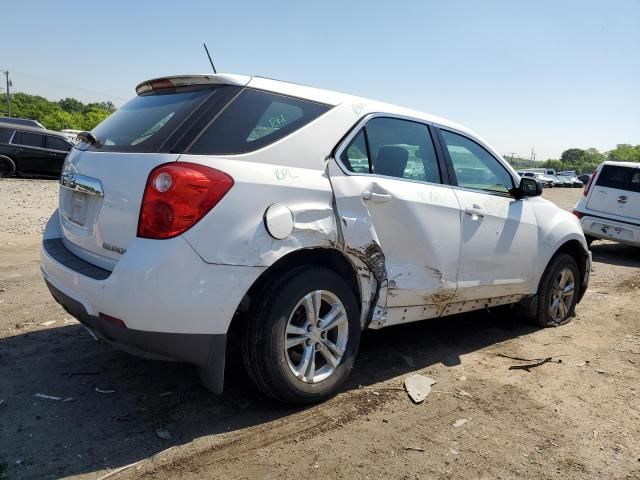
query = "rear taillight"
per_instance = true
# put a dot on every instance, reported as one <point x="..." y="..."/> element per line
<point x="177" y="196"/>
<point x="577" y="214"/>
<point x="585" y="192"/>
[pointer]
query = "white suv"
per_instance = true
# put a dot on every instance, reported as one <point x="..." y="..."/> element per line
<point x="610" y="206"/>
<point x="220" y="207"/>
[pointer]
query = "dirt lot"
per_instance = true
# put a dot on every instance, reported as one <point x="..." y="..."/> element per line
<point x="578" y="418"/>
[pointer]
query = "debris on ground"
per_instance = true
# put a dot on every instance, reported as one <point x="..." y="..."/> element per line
<point x="529" y="366"/>
<point x="462" y="378"/>
<point x="101" y="390"/>
<point x="48" y="397"/>
<point x="47" y="323"/>
<point x="464" y="393"/>
<point x="460" y="422"/>
<point x="414" y="449"/>
<point x="418" y="387"/>
<point x="163" y="434"/>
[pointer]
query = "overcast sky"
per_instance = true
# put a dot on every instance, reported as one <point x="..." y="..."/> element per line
<point x="545" y="74"/>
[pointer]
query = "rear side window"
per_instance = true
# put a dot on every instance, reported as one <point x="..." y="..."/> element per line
<point x="394" y="148"/>
<point x="621" y="178"/>
<point x="5" y="135"/>
<point x="254" y="120"/>
<point x="29" y="139"/>
<point x="145" y="122"/>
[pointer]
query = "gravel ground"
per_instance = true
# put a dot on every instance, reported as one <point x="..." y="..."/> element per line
<point x="575" y="417"/>
<point x="26" y="205"/>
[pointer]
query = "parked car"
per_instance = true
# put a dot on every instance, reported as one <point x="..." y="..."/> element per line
<point x="71" y="135"/>
<point x="544" y="180"/>
<point x="573" y="178"/>
<point x="584" y="178"/>
<point x="23" y="122"/>
<point x="32" y="151"/>
<point x="561" y="181"/>
<point x="222" y="208"/>
<point x="610" y="206"/>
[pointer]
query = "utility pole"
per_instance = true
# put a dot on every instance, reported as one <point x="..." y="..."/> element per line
<point x="6" y="74"/>
<point x="533" y="156"/>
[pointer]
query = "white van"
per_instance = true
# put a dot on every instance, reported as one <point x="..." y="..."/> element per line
<point x="610" y="206"/>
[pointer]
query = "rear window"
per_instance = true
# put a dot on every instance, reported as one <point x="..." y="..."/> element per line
<point x="144" y="123"/>
<point x="5" y="134"/>
<point x="254" y="120"/>
<point x="621" y="178"/>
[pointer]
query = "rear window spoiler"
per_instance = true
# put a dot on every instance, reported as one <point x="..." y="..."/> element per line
<point x="191" y="80"/>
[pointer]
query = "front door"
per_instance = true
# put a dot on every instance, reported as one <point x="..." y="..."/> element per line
<point x="499" y="242"/>
<point x="389" y="192"/>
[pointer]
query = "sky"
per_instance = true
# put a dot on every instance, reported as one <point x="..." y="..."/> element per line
<point x="544" y="74"/>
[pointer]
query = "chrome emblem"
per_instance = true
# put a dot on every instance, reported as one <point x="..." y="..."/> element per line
<point x="114" y="248"/>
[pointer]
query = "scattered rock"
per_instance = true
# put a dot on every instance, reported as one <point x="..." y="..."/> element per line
<point x="418" y="387"/>
<point x="460" y="422"/>
<point x="48" y="397"/>
<point x="47" y="323"/>
<point x="163" y="434"/>
<point x="464" y="393"/>
<point x="414" y="449"/>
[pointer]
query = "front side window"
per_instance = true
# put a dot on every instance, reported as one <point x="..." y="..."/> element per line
<point x="474" y="167"/>
<point x="55" y="143"/>
<point x="254" y="120"/>
<point x="394" y="148"/>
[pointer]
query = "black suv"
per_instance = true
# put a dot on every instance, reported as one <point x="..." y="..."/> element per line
<point x="31" y="151"/>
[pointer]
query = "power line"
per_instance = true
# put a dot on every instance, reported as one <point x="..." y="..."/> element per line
<point x="65" y="85"/>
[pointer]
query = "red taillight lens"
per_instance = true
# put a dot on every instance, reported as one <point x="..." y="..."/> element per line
<point x="177" y="196"/>
<point x="577" y="213"/>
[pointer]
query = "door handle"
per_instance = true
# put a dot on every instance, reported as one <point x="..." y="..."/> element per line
<point x="622" y="199"/>
<point x="475" y="211"/>
<point x="373" y="197"/>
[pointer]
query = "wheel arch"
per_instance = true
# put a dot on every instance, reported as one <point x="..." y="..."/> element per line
<point x="11" y="162"/>
<point x="331" y="258"/>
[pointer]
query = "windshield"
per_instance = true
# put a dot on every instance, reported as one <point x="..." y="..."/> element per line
<point x="144" y="123"/>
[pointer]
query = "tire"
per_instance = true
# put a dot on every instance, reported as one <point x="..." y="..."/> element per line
<point x="7" y="167"/>
<point x="283" y="308"/>
<point x="589" y="239"/>
<point x="549" y="291"/>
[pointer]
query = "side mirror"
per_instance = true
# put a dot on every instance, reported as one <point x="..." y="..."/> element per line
<point x="529" y="187"/>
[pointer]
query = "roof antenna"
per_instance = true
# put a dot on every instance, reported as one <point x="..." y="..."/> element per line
<point x="210" y="61"/>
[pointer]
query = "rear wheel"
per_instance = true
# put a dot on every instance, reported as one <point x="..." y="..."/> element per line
<point x="558" y="292"/>
<point x="7" y="167"/>
<point x="303" y="337"/>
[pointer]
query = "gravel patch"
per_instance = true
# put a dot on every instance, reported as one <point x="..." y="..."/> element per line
<point x="26" y="205"/>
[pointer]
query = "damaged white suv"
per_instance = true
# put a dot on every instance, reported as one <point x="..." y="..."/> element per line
<point x="291" y="219"/>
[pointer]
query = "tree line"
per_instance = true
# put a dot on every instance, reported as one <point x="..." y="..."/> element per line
<point x="65" y="113"/>
<point x="582" y="160"/>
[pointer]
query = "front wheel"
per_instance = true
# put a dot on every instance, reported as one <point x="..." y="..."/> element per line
<point x="558" y="292"/>
<point x="303" y="337"/>
<point x="7" y="167"/>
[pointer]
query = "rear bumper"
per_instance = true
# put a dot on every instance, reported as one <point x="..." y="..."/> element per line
<point x="207" y="351"/>
<point x="603" y="228"/>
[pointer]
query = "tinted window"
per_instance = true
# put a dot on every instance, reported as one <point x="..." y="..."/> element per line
<point x="56" y="143"/>
<point x="254" y="120"/>
<point x="474" y="166"/>
<point x="144" y="123"/>
<point x="5" y="134"/>
<point x="29" y="139"/>
<point x="355" y="156"/>
<point x="400" y="148"/>
<point x="613" y="176"/>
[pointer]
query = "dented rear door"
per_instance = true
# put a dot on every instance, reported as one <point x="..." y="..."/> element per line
<point x="406" y="226"/>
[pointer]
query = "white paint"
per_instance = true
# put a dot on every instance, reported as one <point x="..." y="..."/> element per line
<point x="415" y="252"/>
<point x="611" y="213"/>
<point x="279" y="221"/>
